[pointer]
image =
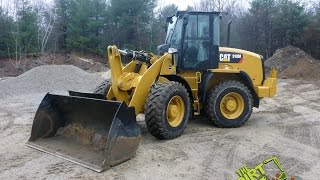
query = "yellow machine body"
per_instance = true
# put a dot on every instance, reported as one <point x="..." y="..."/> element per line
<point x="134" y="87"/>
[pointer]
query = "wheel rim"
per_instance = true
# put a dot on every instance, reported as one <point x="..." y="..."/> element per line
<point x="232" y="105"/>
<point x="175" y="111"/>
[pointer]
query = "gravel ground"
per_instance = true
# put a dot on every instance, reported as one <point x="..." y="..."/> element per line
<point x="287" y="126"/>
<point x="50" y="78"/>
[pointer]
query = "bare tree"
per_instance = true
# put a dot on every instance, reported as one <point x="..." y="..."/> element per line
<point x="230" y="6"/>
<point x="46" y="20"/>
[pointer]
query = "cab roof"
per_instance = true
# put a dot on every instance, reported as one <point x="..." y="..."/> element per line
<point x="201" y="12"/>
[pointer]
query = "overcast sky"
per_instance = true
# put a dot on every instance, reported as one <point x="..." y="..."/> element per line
<point x="182" y="4"/>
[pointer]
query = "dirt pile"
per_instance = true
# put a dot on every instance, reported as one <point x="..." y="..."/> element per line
<point x="79" y="133"/>
<point x="84" y="135"/>
<point x="292" y="62"/>
<point x="50" y="78"/>
<point x="10" y="67"/>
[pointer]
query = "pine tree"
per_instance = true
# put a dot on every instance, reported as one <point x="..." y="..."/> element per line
<point x="6" y="41"/>
<point x="26" y="28"/>
<point x="131" y="21"/>
<point x="60" y="30"/>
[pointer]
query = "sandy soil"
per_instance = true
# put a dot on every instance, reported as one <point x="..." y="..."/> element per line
<point x="287" y="126"/>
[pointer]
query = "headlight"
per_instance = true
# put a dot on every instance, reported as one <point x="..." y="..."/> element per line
<point x="261" y="57"/>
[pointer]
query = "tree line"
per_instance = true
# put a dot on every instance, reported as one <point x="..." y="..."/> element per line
<point x="89" y="26"/>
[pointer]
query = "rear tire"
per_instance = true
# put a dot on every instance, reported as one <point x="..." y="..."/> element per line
<point x="167" y="110"/>
<point x="103" y="88"/>
<point x="229" y="104"/>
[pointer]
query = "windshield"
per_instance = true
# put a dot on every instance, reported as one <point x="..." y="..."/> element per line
<point x="174" y="32"/>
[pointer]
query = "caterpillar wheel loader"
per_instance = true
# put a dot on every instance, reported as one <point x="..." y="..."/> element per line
<point x="190" y="75"/>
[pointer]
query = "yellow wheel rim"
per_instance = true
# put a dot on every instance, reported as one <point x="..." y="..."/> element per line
<point x="232" y="105"/>
<point x="175" y="111"/>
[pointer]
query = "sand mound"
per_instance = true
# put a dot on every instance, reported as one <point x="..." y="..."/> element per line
<point x="50" y="78"/>
<point x="292" y="62"/>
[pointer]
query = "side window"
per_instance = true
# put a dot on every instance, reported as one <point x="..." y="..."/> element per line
<point x="203" y="26"/>
<point x="216" y="30"/>
<point x="196" y="45"/>
<point x="191" y="31"/>
<point x="176" y="36"/>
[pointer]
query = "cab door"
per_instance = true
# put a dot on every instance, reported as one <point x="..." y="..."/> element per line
<point x="199" y="51"/>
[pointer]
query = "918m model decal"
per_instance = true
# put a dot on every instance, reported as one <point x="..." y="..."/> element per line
<point x="231" y="57"/>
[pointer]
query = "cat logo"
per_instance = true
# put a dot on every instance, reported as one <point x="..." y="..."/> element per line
<point x="225" y="57"/>
<point x="229" y="57"/>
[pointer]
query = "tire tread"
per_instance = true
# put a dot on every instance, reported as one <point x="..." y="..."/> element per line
<point x="213" y="96"/>
<point x="155" y="105"/>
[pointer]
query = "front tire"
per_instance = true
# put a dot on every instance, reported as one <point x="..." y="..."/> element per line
<point x="229" y="104"/>
<point x="103" y="88"/>
<point x="167" y="110"/>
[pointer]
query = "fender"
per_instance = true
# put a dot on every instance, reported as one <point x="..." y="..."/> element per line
<point x="207" y="75"/>
<point x="247" y="81"/>
<point x="182" y="81"/>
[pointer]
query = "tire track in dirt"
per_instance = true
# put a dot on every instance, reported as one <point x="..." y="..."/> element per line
<point x="303" y="133"/>
<point x="6" y="122"/>
<point x="302" y="95"/>
<point x="59" y="168"/>
<point x="215" y="159"/>
<point x="295" y="157"/>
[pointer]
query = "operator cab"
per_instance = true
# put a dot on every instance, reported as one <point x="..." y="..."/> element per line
<point x="194" y="37"/>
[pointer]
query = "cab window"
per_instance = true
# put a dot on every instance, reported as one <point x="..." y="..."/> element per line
<point x="196" y="45"/>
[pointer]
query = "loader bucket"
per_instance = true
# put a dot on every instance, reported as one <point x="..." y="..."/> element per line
<point x="86" y="129"/>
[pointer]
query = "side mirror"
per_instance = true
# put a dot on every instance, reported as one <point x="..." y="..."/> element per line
<point x="172" y="50"/>
<point x="163" y="48"/>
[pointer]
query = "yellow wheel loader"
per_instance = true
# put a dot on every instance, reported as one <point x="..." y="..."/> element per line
<point x="190" y="75"/>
